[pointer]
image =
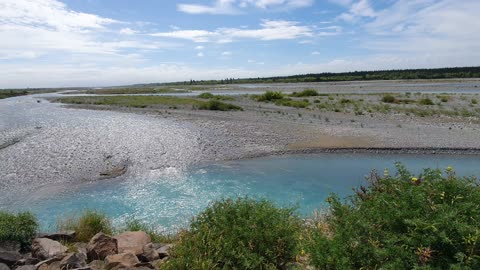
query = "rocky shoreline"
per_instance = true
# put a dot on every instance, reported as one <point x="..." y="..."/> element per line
<point x="58" y="251"/>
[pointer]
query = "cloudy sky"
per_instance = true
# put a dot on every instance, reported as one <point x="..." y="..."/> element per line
<point x="53" y="43"/>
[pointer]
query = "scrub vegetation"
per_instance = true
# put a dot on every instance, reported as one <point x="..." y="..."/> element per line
<point x="150" y="101"/>
<point x="401" y="221"/>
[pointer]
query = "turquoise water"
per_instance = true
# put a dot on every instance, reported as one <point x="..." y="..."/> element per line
<point x="169" y="198"/>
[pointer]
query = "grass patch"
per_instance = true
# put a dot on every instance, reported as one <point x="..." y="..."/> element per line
<point x="19" y="227"/>
<point x="215" y="105"/>
<point x="134" y="90"/>
<point x="12" y="93"/>
<point x="426" y="101"/>
<point x="305" y="93"/>
<point x="269" y="96"/>
<point x="86" y="225"/>
<point x="134" y="225"/>
<point x="238" y="234"/>
<point x="208" y="95"/>
<point x="132" y="101"/>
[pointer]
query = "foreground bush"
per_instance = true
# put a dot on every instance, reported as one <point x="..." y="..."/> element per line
<point x="402" y="222"/>
<point x="86" y="225"/>
<point x="19" y="227"/>
<point x="238" y="234"/>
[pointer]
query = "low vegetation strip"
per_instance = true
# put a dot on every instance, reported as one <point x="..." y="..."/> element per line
<point x="12" y="93"/>
<point x="146" y="101"/>
<point x="401" y="221"/>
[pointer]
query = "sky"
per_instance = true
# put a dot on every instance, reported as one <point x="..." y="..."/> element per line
<point x="63" y="43"/>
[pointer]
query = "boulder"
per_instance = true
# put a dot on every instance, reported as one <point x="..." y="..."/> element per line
<point x="149" y="253"/>
<point x="164" y="251"/>
<point x="9" y="246"/>
<point x="73" y="261"/>
<point x="97" y="265"/>
<point x="4" y="266"/>
<point x="80" y="248"/>
<point x="62" y="236"/>
<point x="44" y="248"/>
<point x="132" y="242"/>
<point x="100" y="246"/>
<point x="27" y="261"/>
<point x="123" y="260"/>
<point x="54" y="266"/>
<point x="47" y="262"/>
<point x="9" y="257"/>
<point x="26" y="267"/>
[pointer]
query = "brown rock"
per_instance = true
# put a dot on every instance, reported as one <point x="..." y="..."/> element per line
<point x="132" y="242"/>
<point x="27" y="267"/>
<point x="149" y="253"/>
<point x="100" y="246"/>
<point x="62" y="236"/>
<point x="164" y="251"/>
<point x="4" y="266"/>
<point x="44" y="248"/>
<point x="123" y="260"/>
<point x="9" y="257"/>
<point x="97" y="265"/>
<point x="73" y="261"/>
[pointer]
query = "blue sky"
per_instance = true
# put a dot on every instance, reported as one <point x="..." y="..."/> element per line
<point x="53" y="43"/>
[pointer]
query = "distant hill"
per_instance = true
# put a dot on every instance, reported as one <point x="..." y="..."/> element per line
<point x="405" y="74"/>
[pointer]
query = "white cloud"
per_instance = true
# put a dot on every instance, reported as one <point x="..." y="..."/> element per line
<point x="227" y="53"/>
<point x="446" y="27"/>
<point x="193" y="35"/>
<point x="200" y="54"/>
<point x="128" y="31"/>
<point x="315" y="53"/>
<point x="220" y="7"/>
<point x="199" y="48"/>
<point x="232" y="7"/>
<point x="270" y="30"/>
<point x="31" y="29"/>
<point x="361" y="8"/>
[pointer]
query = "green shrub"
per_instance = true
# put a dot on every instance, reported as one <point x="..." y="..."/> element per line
<point x="215" y="105"/>
<point x="86" y="225"/>
<point x="402" y="222"/>
<point x="19" y="227"/>
<point x="474" y="101"/>
<point x="238" y="234"/>
<point x="206" y="95"/>
<point x="270" y="96"/>
<point x="426" y="101"/>
<point x="292" y="103"/>
<point x="305" y="93"/>
<point x="388" y="99"/>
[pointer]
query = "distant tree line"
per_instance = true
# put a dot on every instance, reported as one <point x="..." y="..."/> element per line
<point x="405" y="74"/>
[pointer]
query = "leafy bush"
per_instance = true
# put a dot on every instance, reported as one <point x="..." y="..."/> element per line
<point x="426" y="101"/>
<point x="206" y="95"/>
<point x="305" y="93"/>
<point x="238" y="234"/>
<point x="270" y="96"/>
<point x="215" y="105"/>
<point x="19" y="227"/>
<point x="292" y="103"/>
<point x="388" y="99"/>
<point x="402" y="222"/>
<point x="474" y="101"/>
<point x="86" y="225"/>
